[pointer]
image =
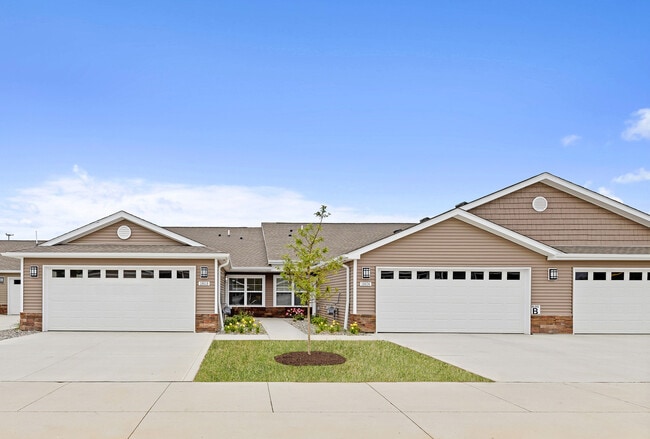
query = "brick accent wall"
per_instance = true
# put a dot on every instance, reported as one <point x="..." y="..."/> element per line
<point x="367" y="322"/>
<point x="551" y="324"/>
<point x="207" y="323"/>
<point x="3" y="309"/>
<point x="31" y="321"/>
<point x="265" y="311"/>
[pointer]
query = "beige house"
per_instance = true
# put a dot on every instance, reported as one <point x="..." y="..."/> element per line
<point x="541" y="256"/>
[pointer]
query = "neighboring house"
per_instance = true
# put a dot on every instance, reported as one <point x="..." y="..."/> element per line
<point x="541" y="256"/>
<point x="10" y="279"/>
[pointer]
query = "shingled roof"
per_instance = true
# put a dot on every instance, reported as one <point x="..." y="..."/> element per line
<point x="13" y="264"/>
<point x="339" y="238"/>
<point x="245" y="244"/>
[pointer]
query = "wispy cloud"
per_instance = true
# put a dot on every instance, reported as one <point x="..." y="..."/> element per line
<point x="633" y="177"/>
<point x="57" y="206"/>
<point x="638" y="127"/>
<point x="570" y="139"/>
<point x="608" y="193"/>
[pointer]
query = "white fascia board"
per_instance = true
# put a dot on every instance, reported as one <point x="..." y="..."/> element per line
<point x="570" y="188"/>
<point x="599" y="257"/>
<point x="117" y="217"/>
<point x="468" y="218"/>
<point x="9" y="271"/>
<point x="41" y="255"/>
<point x="252" y="270"/>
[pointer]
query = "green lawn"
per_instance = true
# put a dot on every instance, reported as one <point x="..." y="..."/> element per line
<point x="367" y="361"/>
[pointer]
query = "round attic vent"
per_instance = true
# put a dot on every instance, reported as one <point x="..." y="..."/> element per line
<point x="540" y="204"/>
<point x="124" y="232"/>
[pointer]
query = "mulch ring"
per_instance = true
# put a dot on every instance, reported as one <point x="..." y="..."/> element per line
<point x="317" y="358"/>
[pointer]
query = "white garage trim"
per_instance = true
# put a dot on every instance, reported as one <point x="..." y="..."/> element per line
<point x="611" y="300"/>
<point x="121" y="303"/>
<point x="454" y="305"/>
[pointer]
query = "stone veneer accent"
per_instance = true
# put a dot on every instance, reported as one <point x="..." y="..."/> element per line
<point x="367" y="322"/>
<point x="207" y="323"/>
<point x="3" y="309"/>
<point x="551" y="324"/>
<point x="31" y="321"/>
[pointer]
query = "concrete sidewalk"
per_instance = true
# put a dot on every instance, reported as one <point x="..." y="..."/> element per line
<point x="328" y="410"/>
<point x="8" y="321"/>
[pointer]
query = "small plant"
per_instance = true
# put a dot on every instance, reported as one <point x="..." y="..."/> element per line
<point x="296" y="313"/>
<point x="354" y="328"/>
<point x="335" y="326"/>
<point x="318" y="320"/>
<point x="241" y="323"/>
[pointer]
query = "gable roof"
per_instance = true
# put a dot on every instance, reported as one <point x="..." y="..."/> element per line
<point x="114" y="218"/>
<point x="570" y="188"/>
<point x="468" y="218"/>
<point x="339" y="238"/>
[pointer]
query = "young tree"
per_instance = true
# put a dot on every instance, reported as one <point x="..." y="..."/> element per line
<point x="308" y="267"/>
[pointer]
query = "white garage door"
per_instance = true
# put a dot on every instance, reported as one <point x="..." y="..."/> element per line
<point x="118" y="298"/>
<point x="471" y="300"/>
<point x="611" y="301"/>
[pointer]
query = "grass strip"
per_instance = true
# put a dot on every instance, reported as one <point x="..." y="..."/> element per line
<point x="367" y="361"/>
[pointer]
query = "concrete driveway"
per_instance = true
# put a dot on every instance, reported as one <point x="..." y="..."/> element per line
<point x="539" y="358"/>
<point x="103" y="356"/>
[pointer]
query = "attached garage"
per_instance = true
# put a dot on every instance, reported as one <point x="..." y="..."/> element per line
<point x="118" y="298"/>
<point x="611" y="301"/>
<point x="445" y="299"/>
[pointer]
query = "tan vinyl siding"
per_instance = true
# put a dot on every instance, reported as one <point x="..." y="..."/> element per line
<point x="4" y="287"/>
<point x="139" y="236"/>
<point x="336" y="282"/>
<point x="33" y="287"/>
<point x="568" y="221"/>
<point x="453" y="243"/>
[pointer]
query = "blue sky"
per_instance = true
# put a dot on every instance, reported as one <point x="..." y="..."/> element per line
<point x="237" y="112"/>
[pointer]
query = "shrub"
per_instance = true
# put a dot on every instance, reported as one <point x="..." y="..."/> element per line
<point x="296" y="313"/>
<point x="318" y="320"/>
<point x="241" y="323"/>
<point x="354" y="328"/>
<point x="335" y="326"/>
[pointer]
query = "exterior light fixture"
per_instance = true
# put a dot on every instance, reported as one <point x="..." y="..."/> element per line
<point x="365" y="272"/>
<point x="204" y="272"/>
<point x="33" y="271"/>
<point x="552" y="274"/>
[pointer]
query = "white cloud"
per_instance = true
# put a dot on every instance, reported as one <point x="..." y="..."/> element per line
<point x="639" y="127"/>
<point x="57" y="206"/>
<point x="570" y="139"/>
<point x="633" y="177"/>
<point x="608" y="193"/>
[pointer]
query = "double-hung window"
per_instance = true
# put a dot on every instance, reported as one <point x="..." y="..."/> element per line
<point x="284" y="293"/>
<point x="246" y="291"/>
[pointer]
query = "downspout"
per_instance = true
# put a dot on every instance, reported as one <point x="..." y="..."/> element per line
<point x="218" y="301"/>
<point x="347" y="297"/>
<point x="354" y="287"/>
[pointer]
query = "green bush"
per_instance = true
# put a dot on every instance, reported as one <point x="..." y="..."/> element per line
<point x="241" y="323"/>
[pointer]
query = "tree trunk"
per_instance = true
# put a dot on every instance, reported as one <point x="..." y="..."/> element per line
<point x="309" y="327"/>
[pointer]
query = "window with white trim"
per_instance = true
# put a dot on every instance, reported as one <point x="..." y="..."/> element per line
<point x="283" y="293"/>
<point x="246" y="291"/>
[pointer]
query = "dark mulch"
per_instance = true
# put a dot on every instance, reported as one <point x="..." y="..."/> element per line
<point x="317" y="358"/>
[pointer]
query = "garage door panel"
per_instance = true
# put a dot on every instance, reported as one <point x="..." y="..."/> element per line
<point x="122" y="304"/>
<point x="611" y="306"/>
<point x="452" y="305"/>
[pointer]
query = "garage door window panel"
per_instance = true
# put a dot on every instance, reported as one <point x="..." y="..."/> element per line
<point x="405" y="274"/>
<point x="636" y="275"/>
<point x="423" y="275"/>
<point x="513" y="275"/>
<point x="582" y="275"/>
<point x="459" y="275"/>
<point x="94" y="274"/>
<point x="76" y="274"/>
<point x="182" y="274"/>
<point x="441" y="275"/>
<point x="146" y="274"/>
<point x="477" y="275"/>
<point x="618" y="275"/>
<point x="130" y="274"/>
<point x="600" y="275"/>
<point x="58" y="273"/>
<point x="495" y="275"/>
<point x="112" y="274"/>
<point x="165" y="274"/>
<point x="387" y="275"/>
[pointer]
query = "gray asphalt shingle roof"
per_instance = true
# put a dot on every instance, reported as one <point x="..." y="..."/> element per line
<point x="339" y="238"/>
<point x="589" y="250"/>
<point x="13" y="264"/>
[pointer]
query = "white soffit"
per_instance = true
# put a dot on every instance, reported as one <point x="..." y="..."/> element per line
<point x="117" y="217"/>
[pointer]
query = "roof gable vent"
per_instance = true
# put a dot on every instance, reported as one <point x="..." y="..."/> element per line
<point x="540" y="204"/>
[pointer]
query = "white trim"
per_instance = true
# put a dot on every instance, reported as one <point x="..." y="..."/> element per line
<point x="10" y="271"/>
<point x="570" y="188"/>
<point x="43" y="255"/>
<point x="242" y="276"/>
<point x="599" y="257"/>
<point x="354" y="286"/>
<point x="468" y="218"/>
<point x="115" y="218"/>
